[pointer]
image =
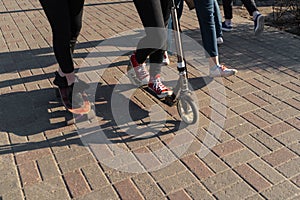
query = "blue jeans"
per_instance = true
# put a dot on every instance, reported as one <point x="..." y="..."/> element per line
<point x="205" y="14"/>
<point x="218" y="19"/>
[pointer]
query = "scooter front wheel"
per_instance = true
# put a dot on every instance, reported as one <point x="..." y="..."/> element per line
<point x="187" y="110"/>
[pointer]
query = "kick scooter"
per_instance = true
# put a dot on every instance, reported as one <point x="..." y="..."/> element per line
<point x="181" y="96"/>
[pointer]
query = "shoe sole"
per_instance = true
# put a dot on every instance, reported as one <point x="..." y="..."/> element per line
<point x="160" y="96"/>
<point x="219" y="75"/>
<point x="226" y="29"/>
<point x="260" y="25"/>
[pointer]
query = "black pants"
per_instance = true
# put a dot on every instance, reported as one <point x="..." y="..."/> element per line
<point x="227" y="6"/>
<point x="65" y="18"/>
<point x="154" y="15"/>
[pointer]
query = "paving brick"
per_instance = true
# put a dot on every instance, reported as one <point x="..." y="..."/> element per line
<point x="9" y="185"/>
<point x="244" y="108"/>
<point x="174" y="183"/>
<point x="148" y="187"/>
<point x="242" y="129"/>
<point x="283" y="190"/>
<point x="267" y="140"/>
<point x="71" y="153"/>
<point x="28" y="156"/>
<point x="255" y="197"/>
<point x="252" y="177"/>
<point x="278" y="128"/>
<point x="193" y="148"/>
<point x="221" y="180"/>
<point x="289" y="137"/>
<point x="266" y="171"/>
<point x="214" y="162"/>
<point x="76" y="183"/>
<point x="239" y="190"/>
<point x="29" y="173"/>
<point x="198" y="192"/>
<point x="115" y="175"/>
<point x="95" y="177"/>
<point x="76" y="163"/>
<point x="50" y="189"/>
<point x="179" y="195"/>
<point x="149" y="161"/>
<point x="255" y="120"/>
<point x="294" y="122"/>
<point x="48" y="167"/>
<point x="279" y="157"/>
<point x="288" y="113"/>
<point x="12" y="194"/>
<point x="296" y="180"/>
<point x="107" y="192"/>
<point x="258" y="84"/>
<point x="255" y="146"/>
<point x="233" y="122"/>
<point x="268" y="117"/>
<point x="197" y="167"/>
<point x="295" y="148"/>
<point x="290" y="168"/>
<point x="227" y="148"/>
<point x="239" y="157"/>
<point x="170" y="170"/>
<point x="127" y="190"/>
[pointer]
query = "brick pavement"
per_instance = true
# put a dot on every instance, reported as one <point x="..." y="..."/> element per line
<point x="252" y="154"/>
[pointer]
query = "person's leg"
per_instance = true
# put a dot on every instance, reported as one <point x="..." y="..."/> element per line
<point x="154" y="15"/>
<point x="152" y="18"/>
<point x="76" y="12"/>
<point x="179" y="6"/>
<point x="57" y="12"/>
<point x="218" y="19"/>
<point x="257" y="17"/>
<point x="205" y="14"/>
<point x="250" y="6"/>
<point x="156" y="57"/>
<point x="227" y="8"/>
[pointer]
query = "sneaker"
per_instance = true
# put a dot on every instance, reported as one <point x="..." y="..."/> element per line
<point x="259" y="23"/>
<point x="159" y="88"/>
<point x="140" y="70"/>
<point x="221" y="71"/>
<point x="226" y="27"/>
<point x="220" y="40"/>
<point x="71" y="98"/>
<point x="166" y="59"/>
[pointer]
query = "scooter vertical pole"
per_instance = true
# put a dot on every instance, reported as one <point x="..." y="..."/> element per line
<point x="179" y="50"/>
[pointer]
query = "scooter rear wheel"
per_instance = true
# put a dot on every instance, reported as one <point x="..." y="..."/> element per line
<point x="187" y="110"/>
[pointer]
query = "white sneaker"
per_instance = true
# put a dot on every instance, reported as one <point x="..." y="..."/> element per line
<point x="221" y="71"/>
<point x="166" y="59"/>
<point x="220" y="40"/>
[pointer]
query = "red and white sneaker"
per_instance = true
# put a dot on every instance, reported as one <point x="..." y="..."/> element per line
<point x="166" y="59"/>
<point x="221" y="71"/>
<point x="140" y="70"/>
<point x="158" y="87"/>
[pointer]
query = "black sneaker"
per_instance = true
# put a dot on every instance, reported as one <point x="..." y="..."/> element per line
<point x="259" y="23"/>
<point x="72" y="98"/>
<point x="226" y="28"/>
